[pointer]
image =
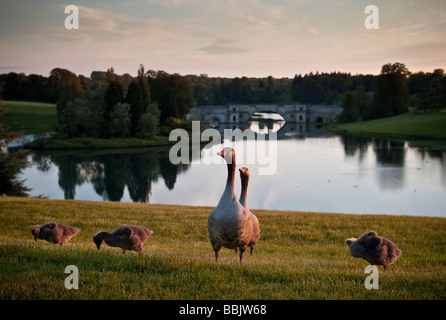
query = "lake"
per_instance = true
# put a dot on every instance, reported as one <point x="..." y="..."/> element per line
<point x="315" y="171"/>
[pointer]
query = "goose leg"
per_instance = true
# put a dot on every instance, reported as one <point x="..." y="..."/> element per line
<point x="216" y="256"/>
<point x="123" y="251"/>
<point x="242" y="250"/>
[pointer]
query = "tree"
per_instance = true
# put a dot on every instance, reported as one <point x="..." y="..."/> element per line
<point x="311" y="91"/>
<point x="434" y="98"/>
<point x="119" y="126"/>
<point x="138" y="96"/>
<point x="36" y="88"/>
<point x="391" y="93"/>
<point x="173" y="94"/>
<point x="135" y="100"/>
<point x="145" y="88"/>
<point x="11" y="165"/>
<point x="15" y="86"/>
<point x="355" y="106"/>
<point x="64" y="86"/>
<point x="113" y="96"/>
<point x="84" y="118"/>
<point x="148" y="123"/>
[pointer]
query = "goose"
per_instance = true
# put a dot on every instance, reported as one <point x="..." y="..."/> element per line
<point x="244" y="177"/>
<point x="374" y="249"/>
<point x="126" y="237"/>
<point x="229" y="223"/>
<point x="54" y="232"/>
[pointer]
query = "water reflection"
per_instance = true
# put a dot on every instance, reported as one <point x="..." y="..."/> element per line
<point x="264" y="123"/>
<point x="317" y="171"/>
<point x="110" y="172"/>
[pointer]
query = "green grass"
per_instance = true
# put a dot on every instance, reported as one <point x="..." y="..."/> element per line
<point x="300" y="255"/>
<point x="97" y="143"/>
<point x="29" y="117"/>
<point x="412" y="126"/>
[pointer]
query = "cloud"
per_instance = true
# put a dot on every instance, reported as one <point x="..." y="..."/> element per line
<point x="223" y="47"/>
<point x="10" y="68"/>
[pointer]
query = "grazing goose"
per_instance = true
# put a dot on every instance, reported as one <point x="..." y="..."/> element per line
<point x="54" y="232"/>
<point x="244" y="177"/>
<point x="229" y="223"/>
<point x="374" y="249"/>
<point x="126" y="237"/>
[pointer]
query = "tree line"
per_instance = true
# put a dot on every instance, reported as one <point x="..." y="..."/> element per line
<point x="395" y="90"/>
<point x="318" y="88"/>
<point x="106" y="104"/>
<point x="157" y="101"/>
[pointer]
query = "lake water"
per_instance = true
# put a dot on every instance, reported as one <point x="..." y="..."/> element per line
<point x="316" y="171"/>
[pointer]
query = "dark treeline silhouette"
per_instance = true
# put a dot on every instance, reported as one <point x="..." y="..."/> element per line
<point x="157" y="98"/>
<point x="319" y="88"/>
<point x="363" y="97"/>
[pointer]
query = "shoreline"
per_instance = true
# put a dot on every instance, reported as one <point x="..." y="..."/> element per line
<point x="207" y="207"/>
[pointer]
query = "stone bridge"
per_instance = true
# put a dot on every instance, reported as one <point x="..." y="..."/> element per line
<point x="238" y="113"/>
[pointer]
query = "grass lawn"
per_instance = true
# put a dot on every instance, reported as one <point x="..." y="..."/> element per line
<point x="29" y="117"/>
<point x="300" y="255"/>
<point x="412" y="126"/>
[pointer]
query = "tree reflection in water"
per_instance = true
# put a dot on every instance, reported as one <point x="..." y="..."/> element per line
<point x="110" y="171"/>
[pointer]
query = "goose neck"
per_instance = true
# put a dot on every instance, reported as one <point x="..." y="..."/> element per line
<point x="231" y="175"/>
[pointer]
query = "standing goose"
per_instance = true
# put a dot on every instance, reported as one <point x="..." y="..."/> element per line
<point x="244" y="177"/>
<point x="54" y="232"/>
<point x="374" y="249"/>
<point x="126" y="237"/>
<point x="229" y="223"/>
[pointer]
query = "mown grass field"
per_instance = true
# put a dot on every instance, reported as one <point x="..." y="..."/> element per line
<point x="413" y="126"/>
<point x="301" y="255"/>
<point x="29" y="117"/>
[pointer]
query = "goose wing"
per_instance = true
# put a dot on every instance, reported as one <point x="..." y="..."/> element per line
<point x="372" y="242"/>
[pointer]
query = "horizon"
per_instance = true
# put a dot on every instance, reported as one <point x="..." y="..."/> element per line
<point x="222" y="39"/>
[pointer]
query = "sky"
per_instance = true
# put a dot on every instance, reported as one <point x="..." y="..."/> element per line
<point x="222" y="38"/>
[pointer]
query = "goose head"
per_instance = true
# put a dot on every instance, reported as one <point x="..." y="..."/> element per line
<point x="350" y="241"/>
<point x="352" y="247"/>
<point x="99" y="237"/>
<point x="244" y="173"/>
<point x="228" y="154"/>
<point x="35" y="231"/>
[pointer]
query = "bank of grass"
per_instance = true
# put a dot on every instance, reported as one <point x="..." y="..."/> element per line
<point x="29" y="117"/>
<point x="96" y="143"/>
<point x="420" y="128"/>
<point x="301" y="255"/>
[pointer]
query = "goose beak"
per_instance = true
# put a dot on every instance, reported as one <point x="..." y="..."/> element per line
<point x="221" y="153"/>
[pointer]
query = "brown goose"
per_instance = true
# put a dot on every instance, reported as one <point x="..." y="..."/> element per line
<point x="229" y="223"/>
<point x="126" y="237"/>
<point x="244" y="177"/>
<point x="54" y="232"/>
<point x="374" y="249"/>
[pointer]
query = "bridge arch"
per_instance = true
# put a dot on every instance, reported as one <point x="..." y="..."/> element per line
<point x="290" y="113"/>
